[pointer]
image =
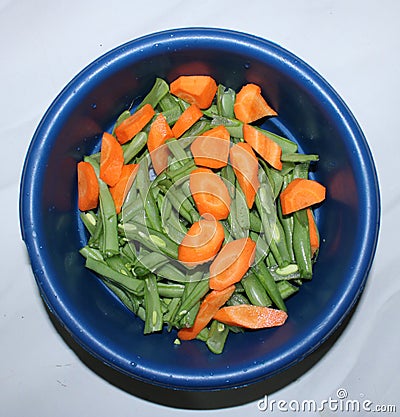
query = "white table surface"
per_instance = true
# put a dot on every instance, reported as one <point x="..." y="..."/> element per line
<point x="353" y="44"/>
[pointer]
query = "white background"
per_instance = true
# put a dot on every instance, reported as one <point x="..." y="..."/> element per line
<point x="353" y="44"/>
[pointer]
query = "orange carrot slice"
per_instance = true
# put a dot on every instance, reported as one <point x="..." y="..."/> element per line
<point x="186" y="120"/>
<point x="211" y="149"/>
<point x="208" y="308"/>
<point x="231" y="263"/>
<point x="159" y="133"/>
<point x="250" y="316"/>
<point x="209" y="193"/>
<point x="195" y="89"/>
<point x="250" y="105"/>
<point x="111" y="159"/>
<point x="269" y="150"/>
<point x="121" y="188"/>
<point x="313" y="232"/>
<point x="88" y="186"/>
<point x="301" y="193"/>
<point x="245" y="165"/>
<point x="134" y="124"/>
<point x="202" y="242"/>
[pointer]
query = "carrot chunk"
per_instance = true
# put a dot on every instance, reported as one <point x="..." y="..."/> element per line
<point x="88" y="186"/>
<point x="186" y="120"/>
<point x="251" y="316"/>
<point x="250" y="105"/>
<point x="269" y="150"/>
<point x="211" y="149"/>
<point x="134" y="124"/>
<point x="231" y="263"/>
<point x="159" y="133"/>
<point x="121" y="188"/>
<point x="245" y="165"/>
<point x="301" y="193"/>
<point x="209" y="193"/>
<point x="208" y="308"/>
<point x="111" y="159"/>
<point x="202" y="242"/>
<point x="195" y="89"/>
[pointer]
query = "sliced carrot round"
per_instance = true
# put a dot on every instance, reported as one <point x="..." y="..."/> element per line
<point x="211" y="149"/>
<point x="134" y="124"/>
<point x="208" y="308"/>
<point x="195" y="89"/>
<point x="301" y="193"/>
<point x="88" y="186"/>
<point x="251" y="316"/>
<point x="209" y="193"/>
<point x="111" y="159"/>
<point x="159" y="133"/>
<point x="250" y="105"/>
<point x="231" y="263"/>
<point x="202" y="242"/>
<point x="121" y="188"/>
<point x="245" y="165"/>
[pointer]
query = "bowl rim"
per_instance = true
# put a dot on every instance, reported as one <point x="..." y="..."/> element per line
<point x="238" y="41"/>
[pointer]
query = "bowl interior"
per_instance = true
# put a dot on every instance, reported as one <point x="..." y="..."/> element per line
<point x="309" y="112"/>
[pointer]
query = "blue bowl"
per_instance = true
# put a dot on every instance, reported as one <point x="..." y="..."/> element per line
<point x="310" y="112"/>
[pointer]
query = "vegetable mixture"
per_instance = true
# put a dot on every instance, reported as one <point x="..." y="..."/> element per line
<point x="198" y="219"/>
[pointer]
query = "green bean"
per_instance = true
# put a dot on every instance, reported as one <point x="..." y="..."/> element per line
<point x="116" y="262"/>
<point x="153" y="260"/>
<point x="237" y="299"/>
<point x="225" y="101"/>
<point x="189" y="317"/>
<point x="301" y="244"/>
<point x="89" y="252"/>
<point x="242" y="211"/>
<point x="191" y="298"/>
<point x="301" y="170"/>
<point x="170" y="290"/>
<point x="177" y="151"/>
<point x="203" y="335"/>
<point x="89" y="219"/>
<point x="184" y="170"/>
<point x="152" y="239"/>
<point x="286" y="289"/>
<point x="290" y="272"/>
<point x="197" y="129"/>
<point x="172" y="115"/>
<point x="170" y="314"/>
<point x="132" y="148"/>
<point x="275" y="178"/>
<point x="129" y="283"/>
<point x="229" y="177"/>
<point x="169" y="102"/>
<point x="233" y="126"/>
<point x="121" y="294"/>
<point x="280" y="241"/>
<point x="255" y="292"/>
<point x="217" y="337"/>
<point x="158" y="91"/>
<point x="153" y="320"/>
<point x="268" y="282"/>
<point x="171" y="272"/>
<point x="255" y="222"/>
<point x="287" y="225"/>
<point x="110" y="244"/>
<point x="298" y="157"/>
